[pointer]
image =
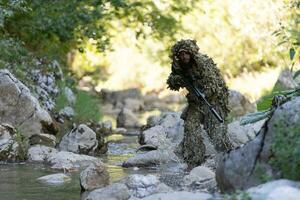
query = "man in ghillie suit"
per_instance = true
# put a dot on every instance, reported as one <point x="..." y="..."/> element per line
<point x="200" y="125"/>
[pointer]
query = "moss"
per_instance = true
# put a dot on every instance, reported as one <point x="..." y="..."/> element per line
<point x="23" y="146"/>
<point x="238" y="195"/>
<point x="286" y="149"/>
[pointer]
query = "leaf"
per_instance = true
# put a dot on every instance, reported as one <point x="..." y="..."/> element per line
<point x="255" y="117"/>
<point x="292" y="53"/>
<point x="297" y="73"/>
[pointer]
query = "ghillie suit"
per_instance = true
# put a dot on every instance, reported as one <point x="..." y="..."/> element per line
<point x="203" y="74"/>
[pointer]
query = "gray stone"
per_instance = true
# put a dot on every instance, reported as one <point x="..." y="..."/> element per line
<point x="121" y="131"/>
<point x="127" y="119"/>
<point x="179" y="196"/>
<point x="239" y="105"/>
<point x="81" y="140"/>
<point x="118" y="96"/>
<point x="43" y="139"/>
<point x="67" y="112"/>
<point x="40" y="153"/>
<point x="94" y="176"/>
<point x="70" y="96"/>
<point x="116" y="191"/>
<point x="68" y="160"/>
<point x="151" y="158"/>
<point x="199" y="174"/>
<point x="285" y="81"/>
<point x="19" y="108"/>
<point x="155" y="136"/>
<point x="241" y="134"/>
<point x="55" y="179"/>
<point x="141" y="186"/>
<point x="280" y="189"/>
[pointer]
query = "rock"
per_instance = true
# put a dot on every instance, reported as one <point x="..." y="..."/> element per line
<point x="80" y="140"/>
<point x="155" y="136"/>
<point x="94" y="176"/>
<point x="239" y="105"/>
<point x="141" y="186"/>
<point x="116" y="191"/>
<point x="13" y="146"/>
<point x="285" y="81"/>
<point x="121" y="131"/>
<point x="151" y="158"/>
<point x="67" y="112"/>
<point x="55" y="179"/>
<point x="69" y="160"/>
<point x="153" y="121"/>
<point x="134" y="105"/>
<point x="234" y="167"/>
<point x="239" y="134"/>
<point x="70" y="96"/>
<point x="43" y="139"/>
<point x="174" y="98"/>
<point x="179" y="196"/>
<point x="127" y="119"/>
<point x="118" y="96"/>
<point x="280" y="189"/>
<point x="249" y="165"/>
<point x="39" y="153"/>
<point x="19" y="108"/>
<point x="199" y="174"/>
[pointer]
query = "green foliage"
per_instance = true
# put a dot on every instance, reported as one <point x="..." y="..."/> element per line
<point x="261" y="172"/>
<point x="23" y="145"/>
<point x="87" y="107"/>
<point x="238" y="195"/>
<point x="286" y="149"/>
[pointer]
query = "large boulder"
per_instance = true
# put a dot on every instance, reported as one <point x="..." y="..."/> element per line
<point x="279" y="189"/>
<point x="239" y="105"/>
<point x="202" y="177"/>
<point x="266" y="156"/>
<point x="43" y="139"/>
<point x="127" y="119"/>
<point x="20" y="109"/>
<point x="80" y="140"/>
<point x="94" y="176"/>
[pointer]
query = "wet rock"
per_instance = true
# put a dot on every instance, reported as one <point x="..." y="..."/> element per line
<point x="55" y="179"/>
<point x="141" y="186"/>
<point x="179" y="196"/>
<point x="285" y="81"/>
<point x="69" y="160"/>
<point x="127" y="119"/>
<point x="151" y="158"/>
<point x="116" y="191"/>
<point x="280" y="189"/>
<point x="239" y="105"/>
<point x="80" y="140"/>
<point x="239" y="134"/>
<point x="19" y="108"/>
<point x="94" y="176"/>
<point x="43" y="139"/>
<point x="40" y="153"/>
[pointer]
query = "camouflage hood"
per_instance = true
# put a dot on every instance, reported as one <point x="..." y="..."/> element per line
<point x="188" y="45"/>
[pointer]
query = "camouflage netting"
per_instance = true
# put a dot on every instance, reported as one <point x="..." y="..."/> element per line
<point x="204" y="75"/>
